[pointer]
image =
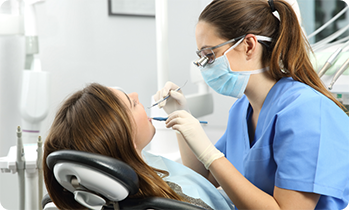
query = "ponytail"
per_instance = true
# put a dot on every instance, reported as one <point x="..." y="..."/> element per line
<point x="291" y="53"/>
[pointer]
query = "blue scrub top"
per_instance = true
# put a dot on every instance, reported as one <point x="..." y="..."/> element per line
<point x="301" y="143"/>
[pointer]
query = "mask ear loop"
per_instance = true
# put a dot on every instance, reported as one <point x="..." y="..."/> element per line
<point x="257" y="71"/>
<point x="259" y="38"/>
<point x="236" y="44"/>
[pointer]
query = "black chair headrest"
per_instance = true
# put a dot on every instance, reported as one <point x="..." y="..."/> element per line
<point x="112" y="167"/>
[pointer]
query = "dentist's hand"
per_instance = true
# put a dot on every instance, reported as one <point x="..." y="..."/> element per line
<point x="195" y="136"/>
<point x="177" y="100"/>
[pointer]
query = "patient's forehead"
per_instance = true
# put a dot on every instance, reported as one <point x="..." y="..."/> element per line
<point x="121" y="95"/>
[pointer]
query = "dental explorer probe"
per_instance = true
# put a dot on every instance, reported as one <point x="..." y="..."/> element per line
<point x="332" y="59"/>
<point x="165" y="118"/>
<point x="167" y="96"/>
<point x="339" y="73"/>
<point x="20" y="163"/>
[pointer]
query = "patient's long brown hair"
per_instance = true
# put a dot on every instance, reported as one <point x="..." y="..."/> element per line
<point x="95" y="120"/>
<point x="289" y="49"/>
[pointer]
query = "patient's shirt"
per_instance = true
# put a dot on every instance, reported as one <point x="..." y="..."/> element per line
<point x="191" y="183"/>
<point x="196" y="201"/>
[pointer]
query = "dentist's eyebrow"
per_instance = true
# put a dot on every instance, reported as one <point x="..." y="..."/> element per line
<point x="206" y="46"/>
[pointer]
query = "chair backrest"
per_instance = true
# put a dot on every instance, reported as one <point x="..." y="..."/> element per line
<point x="97" y="181"/>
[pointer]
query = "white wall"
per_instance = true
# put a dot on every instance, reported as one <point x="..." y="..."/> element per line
<point x="80" y="43"/>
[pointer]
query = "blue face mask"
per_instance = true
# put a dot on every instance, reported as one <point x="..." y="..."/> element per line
<point x="223" y="80"/>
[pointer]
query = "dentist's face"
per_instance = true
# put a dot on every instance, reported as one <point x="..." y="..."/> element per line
<point x="207" y="36"/>
<point x="144" y="127"/>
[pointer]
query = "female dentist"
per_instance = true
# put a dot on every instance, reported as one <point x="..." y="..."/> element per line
<point x="286" y="145"/>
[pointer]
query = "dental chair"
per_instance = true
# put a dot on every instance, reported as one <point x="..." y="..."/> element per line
<point x="101" y="182"/>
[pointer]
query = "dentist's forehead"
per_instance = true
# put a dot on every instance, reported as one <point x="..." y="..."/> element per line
<point x="206" y="35"/>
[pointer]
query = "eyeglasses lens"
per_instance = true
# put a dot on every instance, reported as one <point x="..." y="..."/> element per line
<point x="207" y="53"/>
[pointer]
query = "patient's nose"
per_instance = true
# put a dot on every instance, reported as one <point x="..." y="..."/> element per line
<point x="134" y="96"/>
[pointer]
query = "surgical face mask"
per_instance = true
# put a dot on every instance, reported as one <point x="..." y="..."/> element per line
<point x="223" y="80"/>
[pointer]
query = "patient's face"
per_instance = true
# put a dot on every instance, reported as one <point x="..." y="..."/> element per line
<point x="145" y="129"/>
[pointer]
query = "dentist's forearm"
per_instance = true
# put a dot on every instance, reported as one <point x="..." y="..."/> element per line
<point x="189" y="159"/>
<point x="245" y="195"/>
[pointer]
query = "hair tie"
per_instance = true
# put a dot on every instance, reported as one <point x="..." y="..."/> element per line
<point x="271" y="4"/>
<point x="273" y="9"/>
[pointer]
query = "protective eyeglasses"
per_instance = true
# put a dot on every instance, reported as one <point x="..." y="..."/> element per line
<point x="207" y="56"/>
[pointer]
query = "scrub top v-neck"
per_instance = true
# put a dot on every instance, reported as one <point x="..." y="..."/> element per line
<point x="296" y="141"/>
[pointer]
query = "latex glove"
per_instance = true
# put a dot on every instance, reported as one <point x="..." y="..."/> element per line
<point x="195" y="136"/>
<point x="175" y="102"/>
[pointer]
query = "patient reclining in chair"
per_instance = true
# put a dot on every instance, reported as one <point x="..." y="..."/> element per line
<point x="110" y="122"/>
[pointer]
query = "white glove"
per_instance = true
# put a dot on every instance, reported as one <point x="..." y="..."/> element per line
<point x="195" y="136"/>
<point x="176" y="101"/>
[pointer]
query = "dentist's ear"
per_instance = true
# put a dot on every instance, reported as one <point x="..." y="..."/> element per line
<point x="250" y="45"/>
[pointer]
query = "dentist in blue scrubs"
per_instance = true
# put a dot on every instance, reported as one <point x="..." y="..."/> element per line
<point x="286" y="145"/>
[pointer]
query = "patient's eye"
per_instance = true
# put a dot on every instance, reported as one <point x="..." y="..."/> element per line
<point x="134" y="103"/>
